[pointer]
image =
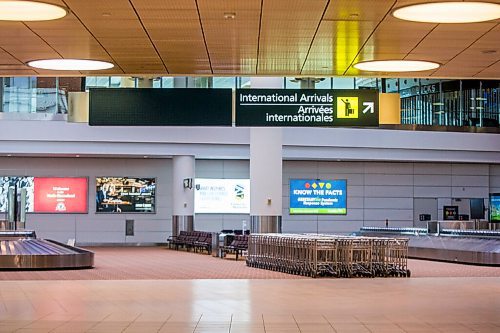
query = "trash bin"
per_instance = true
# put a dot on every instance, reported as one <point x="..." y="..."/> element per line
<point x="215" y="244"/>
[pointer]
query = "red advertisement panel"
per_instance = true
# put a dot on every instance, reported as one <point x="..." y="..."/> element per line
<point x="60" y="195"/>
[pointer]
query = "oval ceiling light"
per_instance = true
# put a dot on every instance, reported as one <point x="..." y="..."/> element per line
<point x="70" y="64"/>
<point x="30" y="11"/>
<point x="449" y="12"/>
<point x="396" y="65"/>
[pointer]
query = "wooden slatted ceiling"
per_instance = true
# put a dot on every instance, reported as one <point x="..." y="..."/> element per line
<point x="232" y="43"/>
<point x="175" y="29"/>
<point x="267" y="37"/>
<point x="287" y="31"/>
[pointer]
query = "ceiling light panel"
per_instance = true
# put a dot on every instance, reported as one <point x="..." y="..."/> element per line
<point x="70" y="64"/>
<point x="30" y="11"/>
<point x="396" y="65"/>
<point x="449" y="12"/>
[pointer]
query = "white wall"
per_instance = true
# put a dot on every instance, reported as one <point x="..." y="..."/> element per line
<point x="57" y="138"/>
<point x="375" y="191"/>
<point x="222" y="169"/>
<point x="92" y="227"/>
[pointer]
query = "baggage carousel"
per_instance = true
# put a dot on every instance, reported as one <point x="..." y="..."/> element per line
<point x="22" y="250"/>
<point x="475" y="247"/>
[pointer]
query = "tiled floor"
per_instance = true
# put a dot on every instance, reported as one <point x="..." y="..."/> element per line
<point x="157" y="263"/>
<point x="307" y="305"/>
<point x="156" y="290"/>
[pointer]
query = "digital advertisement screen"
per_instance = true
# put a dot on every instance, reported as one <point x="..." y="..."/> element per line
<point x="313" y="196"/>
<point x="450" y="213"/>
<point x="18" y="182"/>
<point x="222" y="196"/>
<point x="60" y="195"/>
<point x="495" y="207"/>
<point x="476" y="209"/>
<point x="125" y="195"/>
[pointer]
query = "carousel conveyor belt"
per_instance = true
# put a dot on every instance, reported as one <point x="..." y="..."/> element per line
<point x="476" y="247"/>
<point x="32" y="253"/>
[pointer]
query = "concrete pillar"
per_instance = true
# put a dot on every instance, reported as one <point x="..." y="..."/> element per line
<point x="183" y="194"/>
<point x="266" y="171"/>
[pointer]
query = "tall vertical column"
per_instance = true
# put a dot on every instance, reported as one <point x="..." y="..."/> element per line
<point x="266" y="171"/>
<point x="265" y="180"/>
<point x="182" y="194"/>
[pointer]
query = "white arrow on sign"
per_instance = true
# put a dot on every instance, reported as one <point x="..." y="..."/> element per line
<point x="370" y="106"/>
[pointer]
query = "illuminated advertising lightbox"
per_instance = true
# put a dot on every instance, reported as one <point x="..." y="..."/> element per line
<point x="125" y="195"/>
<point x="60" y="195"/>
<point x="495" y="207"/>
<point x="222" y="196"/>
<point x="18" y="182"/>
<point x="313" y="196"/>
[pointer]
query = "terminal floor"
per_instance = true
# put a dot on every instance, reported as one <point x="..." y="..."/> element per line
<point x="158" y="290"/>
<point x="158" y="263"/>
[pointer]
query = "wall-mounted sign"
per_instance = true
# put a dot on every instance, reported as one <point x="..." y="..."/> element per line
<point x="60" y="195"/>
<point x="495" y="207"/>
<point x="222" y="196"/>
<point x="125" y="195"/>
<point x="314" y="196"/>
<point x="19" y="182"/>
<point x="450" y="213"/>
<point x="160" y="107"/>
<point x="306" y="107"/>
<point x="48" y="194"/>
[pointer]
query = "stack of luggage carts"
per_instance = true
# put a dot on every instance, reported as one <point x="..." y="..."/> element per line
<point x="195" y="240"/>
<point x="329" y="255"/>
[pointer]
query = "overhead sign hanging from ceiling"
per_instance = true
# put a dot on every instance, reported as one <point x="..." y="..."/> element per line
<point x="306" y="107"/>
<point x="160" y="107"/>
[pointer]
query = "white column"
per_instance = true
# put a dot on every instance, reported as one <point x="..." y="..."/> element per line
<point x="266" y="171"/>
<point x="183" y="197"/>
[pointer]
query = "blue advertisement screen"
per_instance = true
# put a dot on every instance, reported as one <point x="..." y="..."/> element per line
<point x="312" y="196"/>
<point x="495" y="207"/>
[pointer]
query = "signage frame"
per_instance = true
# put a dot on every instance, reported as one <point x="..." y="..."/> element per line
<point x="307" y="107"/>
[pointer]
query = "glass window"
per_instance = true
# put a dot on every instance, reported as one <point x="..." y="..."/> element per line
<point x="224" y="82"/>
<point x="116" y="81"/>
<point x="365" y="83"/>
<point x="167" y="82"/>
<point x="343" y="83"/>
<point x="244" y="82"/>
<point x="325" y="83"/>
<point x="292" y="83"/>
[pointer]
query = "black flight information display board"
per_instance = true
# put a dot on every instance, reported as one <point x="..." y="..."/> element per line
<point x="160" y="107"/>
<point x="306" y="107"/>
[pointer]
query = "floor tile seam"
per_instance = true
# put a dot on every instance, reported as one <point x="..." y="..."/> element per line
<point x="133" y="321"/>
<point x="329" y="323"/>
<point x="64" y="323"/>
<point x="296" y="323"/>
<point x="197" y="323"/>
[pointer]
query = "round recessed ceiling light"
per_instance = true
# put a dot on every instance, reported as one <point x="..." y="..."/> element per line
<point x="449" y="12"/>
<point x="396" y="65"/>
<point x="30" y="11"/>
<point x="70" y="64"/>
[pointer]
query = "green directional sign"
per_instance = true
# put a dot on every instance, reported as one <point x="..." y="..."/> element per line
<point x="306" y="107"/>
